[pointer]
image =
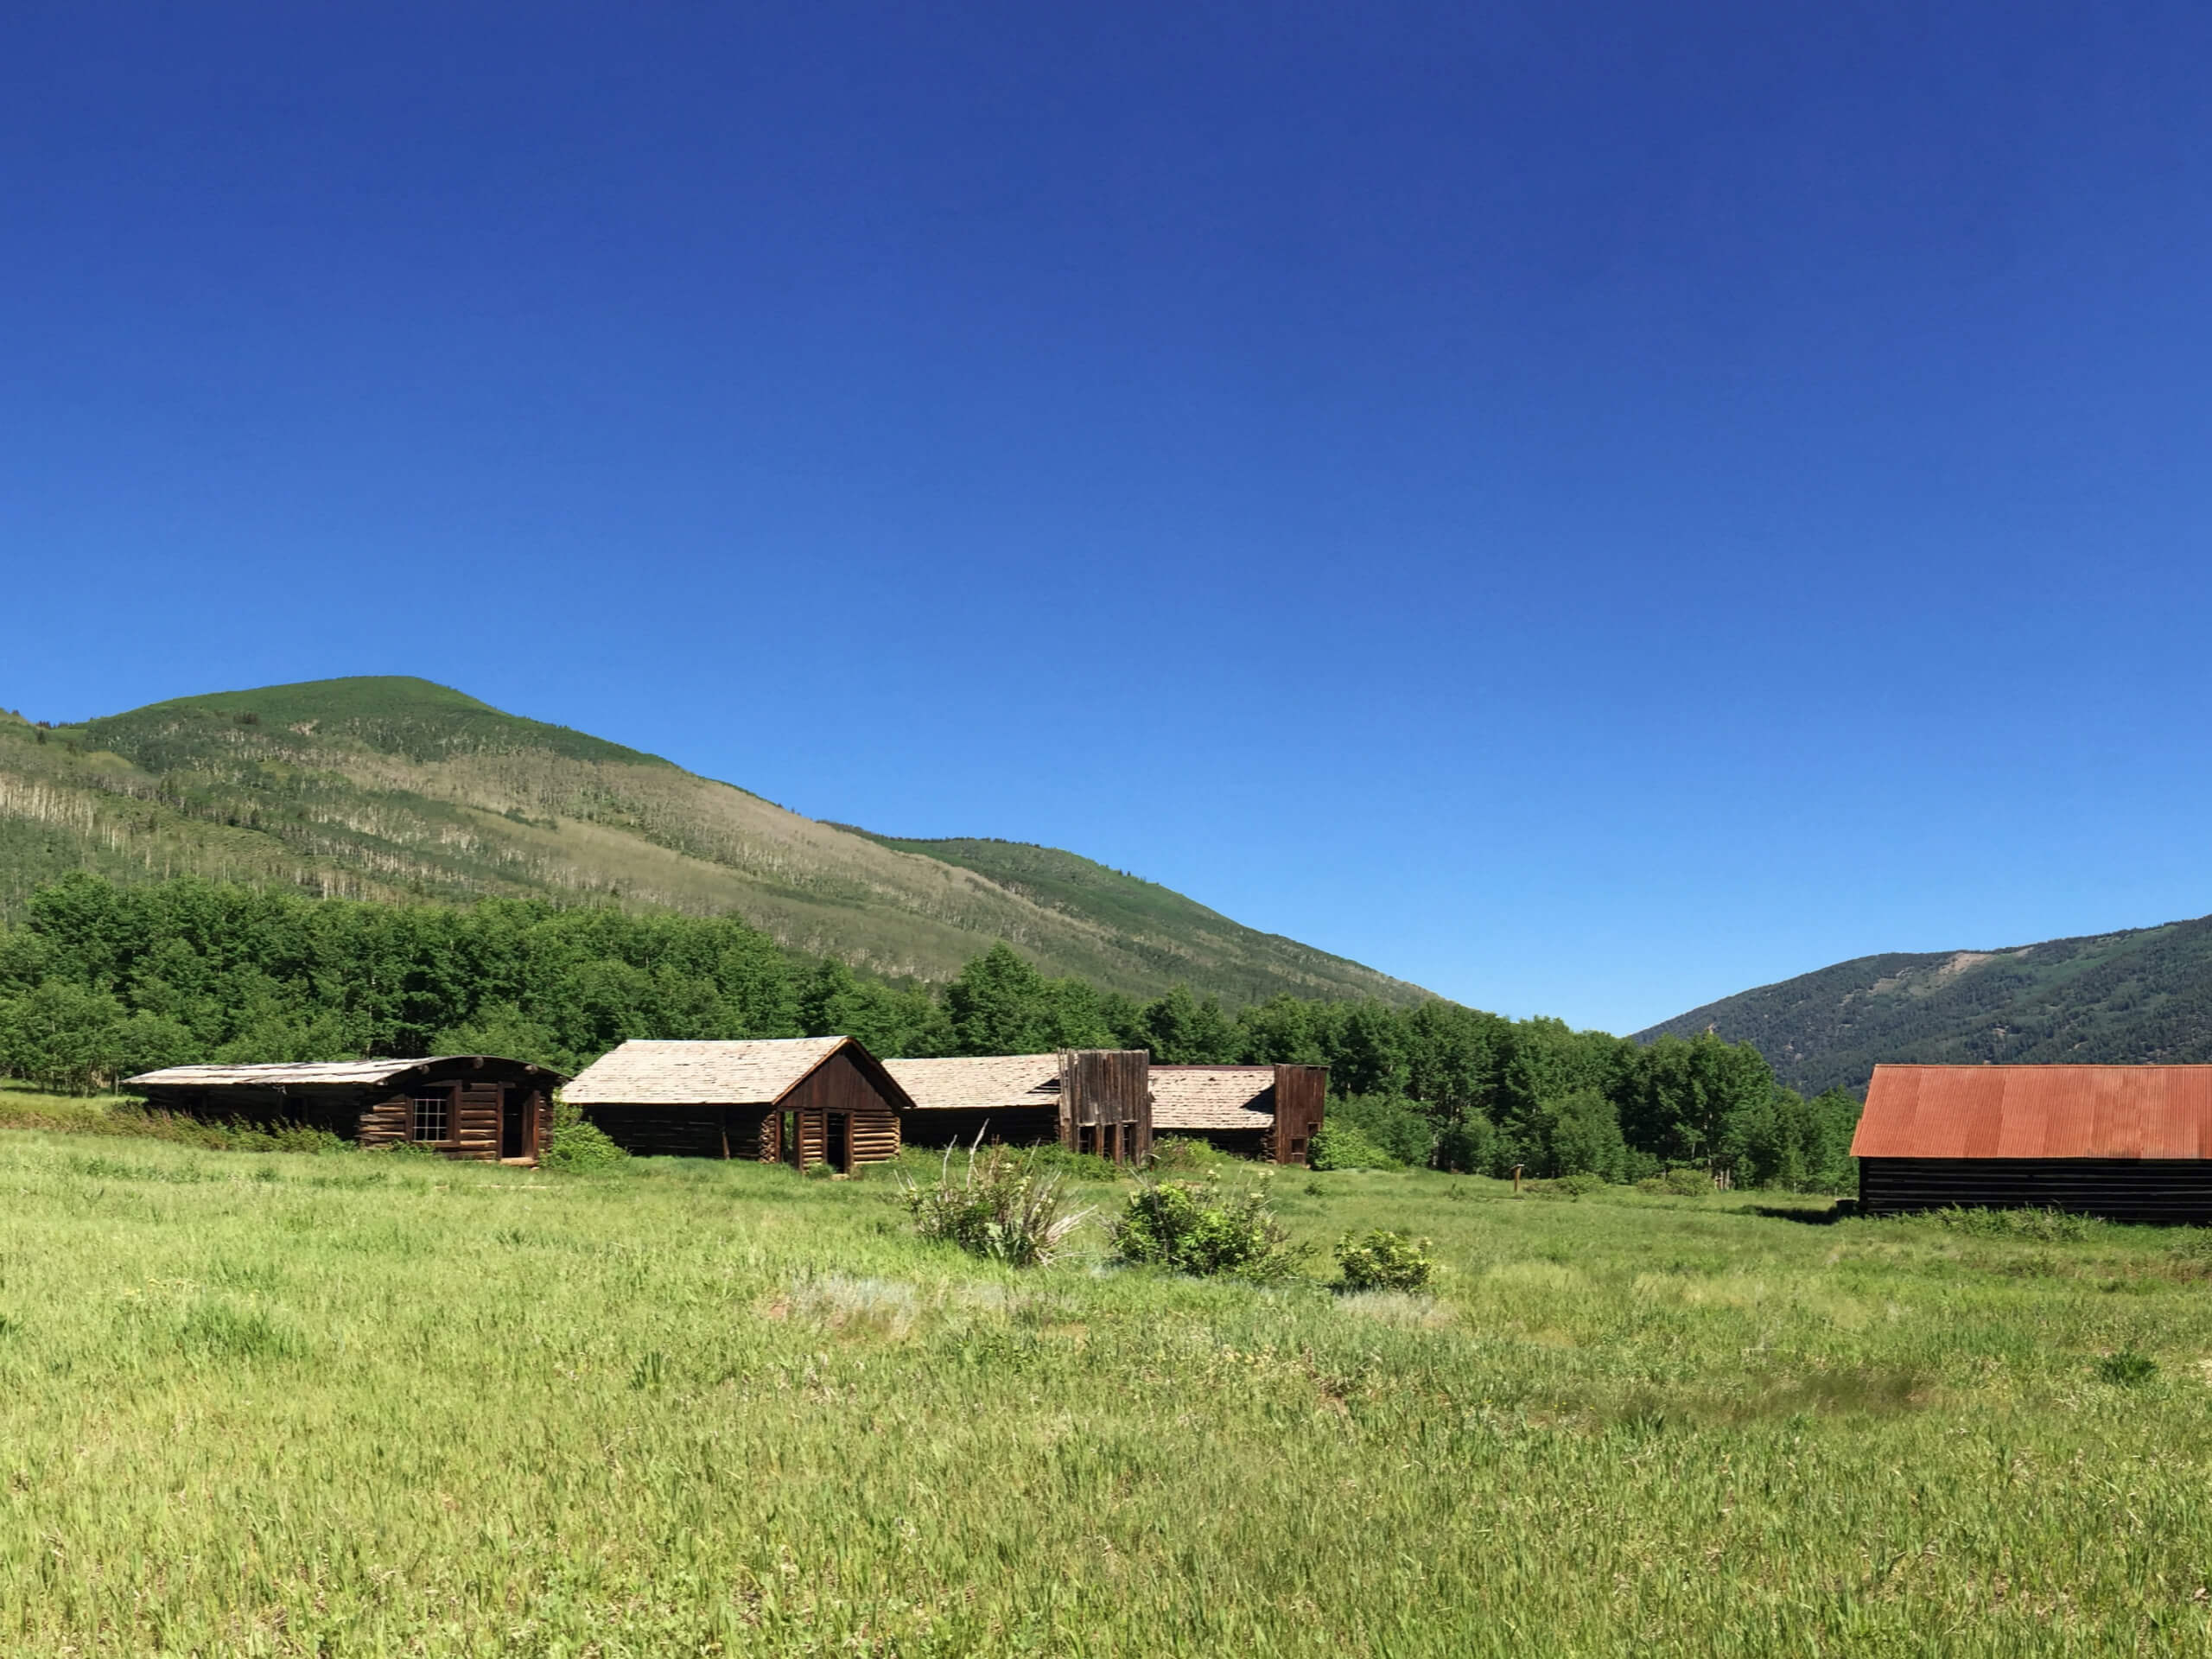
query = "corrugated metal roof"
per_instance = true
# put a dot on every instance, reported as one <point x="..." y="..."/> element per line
<point x="683" y="1073"/>
<point x="2036" y="1111"/>
<point x="1210" y="1097"/>
<point x="981" y="1082"/>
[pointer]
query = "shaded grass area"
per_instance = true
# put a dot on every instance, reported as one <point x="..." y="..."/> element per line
<point x="364" y="1406"/>
<point x="23" y="1107"/>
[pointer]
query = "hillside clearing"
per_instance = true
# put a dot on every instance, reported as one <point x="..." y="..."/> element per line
<point x="364" y="1405"/>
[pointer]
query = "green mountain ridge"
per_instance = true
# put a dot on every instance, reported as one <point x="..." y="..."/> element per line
<point x="2136" y="996"/>
<point x="397" y="788"/>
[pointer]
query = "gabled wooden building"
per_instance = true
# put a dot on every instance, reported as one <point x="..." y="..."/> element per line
<point x="1257" y="1111"/>
<point x="1088" y="1100"/>
<point x="2129" y="1142"/>
<point x="799" y="1100"/>
<point x="469" y="1106"/>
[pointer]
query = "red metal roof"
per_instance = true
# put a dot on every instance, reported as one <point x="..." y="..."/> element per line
<point x="2036" y="1111"/>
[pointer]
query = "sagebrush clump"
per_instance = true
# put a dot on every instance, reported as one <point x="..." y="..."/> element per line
<point x="1004" y="1207"/>
<point x="1382" y="1259"/>
<point x="1195" y="1227"/>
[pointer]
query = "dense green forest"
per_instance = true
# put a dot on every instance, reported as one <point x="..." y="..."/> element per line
<point x="2139" y="997"/>
<point x="102" y="980"/>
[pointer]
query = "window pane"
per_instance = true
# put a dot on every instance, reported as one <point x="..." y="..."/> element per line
<point x="429" y="1117"/>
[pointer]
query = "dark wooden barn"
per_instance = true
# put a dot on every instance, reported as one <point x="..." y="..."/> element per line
<point x="1088" y="1100"/>
<point x="1257" y="1111"/>
<point x="470" y="1106"/>
<point x="799" y="1100"/>
<point x="2127" y="1143"/>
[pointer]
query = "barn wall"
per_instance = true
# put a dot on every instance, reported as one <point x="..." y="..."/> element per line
<point x="839" y="1085"/>
<point x="2160" y="1189"/>
<point x="1105" y="1089"/>
<point x="1301" y="1095"/>
<point x="681" y="1131"/>
<point x="1012" y="1126"/>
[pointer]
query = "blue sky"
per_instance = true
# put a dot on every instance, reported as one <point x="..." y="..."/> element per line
<point x="1589" y="509"/>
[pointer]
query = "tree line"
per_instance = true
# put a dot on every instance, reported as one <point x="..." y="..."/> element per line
<point x="102" y="981"/>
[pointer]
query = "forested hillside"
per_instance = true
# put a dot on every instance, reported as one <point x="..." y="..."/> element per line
<point x="2140" y="995"/>
<point x="397" y="789"/>
<point x="100" y="981"/>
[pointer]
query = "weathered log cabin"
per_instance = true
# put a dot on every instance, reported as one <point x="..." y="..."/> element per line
<point x="469" y="1106"/>
<point x="1088" y="1100"/>
<point x="1270" y="1112"/>
<point x="2127" y="1142"/>
<point x="799" y="1100"/>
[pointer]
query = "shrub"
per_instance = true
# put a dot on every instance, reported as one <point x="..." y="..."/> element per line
<point x="1400" y="1129"/>
<point x="1384" y="1261"/>
<point x="575" y="1145"/>
<point x="1194" y="1227"/>
<point x="1683" y="1183"/>
<point x="2128" y="1368"/>
<point x="1346" y="1146"/>
<point x="1187" y="1155"/>
<point x="1005" y="1207"/>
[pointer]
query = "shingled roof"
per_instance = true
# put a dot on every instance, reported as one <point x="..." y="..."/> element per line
<point x="987" y="1082"/>
<point x="1212" y="1097"/>
<point x="2036" y="1111"/>
<point x="758" y="1072"/>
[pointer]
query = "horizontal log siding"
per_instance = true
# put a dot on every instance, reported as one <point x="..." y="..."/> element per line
<point x="661" y="1131"/>
<point x="383" y="1122"/>
<point x="2131" y="1189"/>
<point x="475" y="1125"/>
<point x="1012" y="1126"/>
<point x="838" y="1085"/>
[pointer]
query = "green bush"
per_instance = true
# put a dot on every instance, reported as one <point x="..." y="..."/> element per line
<point x="1399" y="1127"/>
<point x="575" y="1147"/>
<point x="1005" y="1207"/>
<point x="2126" y="1369"/>
<point x="1682" y="1183"/>
<point x="1194" y="1227"/>
<point x="1343" y="1145"/>
<point x="1382" y="1259"/>
<point x="1185" y="1154"/>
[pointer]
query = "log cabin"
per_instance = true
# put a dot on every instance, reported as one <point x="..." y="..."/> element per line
<point x="1269" y="1112"/>
<point x="1088" y="1100"/>
<point x="2127" y="1142"/>
<point x="797" y="1100"/>
<point x="476" y="1107"/>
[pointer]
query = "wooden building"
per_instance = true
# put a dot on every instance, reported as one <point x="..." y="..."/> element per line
<point x="1257" y="1111"/>
<point x="799" y="1100"/>
<point x="1088" y="1100"/>
<point x="470" y="1106"/>
<point x="2129" y="1142"/>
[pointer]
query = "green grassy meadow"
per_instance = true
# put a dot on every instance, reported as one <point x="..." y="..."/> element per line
<point x="352" y="1404"/>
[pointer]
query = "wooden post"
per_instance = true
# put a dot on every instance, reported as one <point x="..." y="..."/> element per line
<point x="1516" y="1180"/>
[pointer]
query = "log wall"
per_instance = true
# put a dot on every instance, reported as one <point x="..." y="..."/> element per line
<point x="839" y="1085"/>
<point x="2119" y="1189"/>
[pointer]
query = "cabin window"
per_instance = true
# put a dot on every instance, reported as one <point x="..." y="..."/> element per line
<point x="433" y="1117"/>
<point x="1298" y="1146"/>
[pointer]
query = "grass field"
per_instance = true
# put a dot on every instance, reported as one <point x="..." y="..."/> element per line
<point x="356" y="1405"/>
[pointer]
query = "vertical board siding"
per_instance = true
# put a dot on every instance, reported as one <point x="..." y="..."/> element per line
<point x="1103" y="1088"/>
<point x="1302" y="1096"/>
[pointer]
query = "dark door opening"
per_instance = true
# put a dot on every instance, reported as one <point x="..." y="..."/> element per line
<point x="514" y="1137"/>
<point x="836" y="1144"/>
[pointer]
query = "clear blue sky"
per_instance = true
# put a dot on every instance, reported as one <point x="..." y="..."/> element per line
<point x="1587" y="508"/>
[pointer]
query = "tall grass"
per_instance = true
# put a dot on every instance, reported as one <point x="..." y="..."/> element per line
<point x="367" y="1405"/>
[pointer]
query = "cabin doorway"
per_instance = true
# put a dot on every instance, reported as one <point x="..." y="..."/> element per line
<point x="838" y="1143"/>
<point x="514" y="1125"/>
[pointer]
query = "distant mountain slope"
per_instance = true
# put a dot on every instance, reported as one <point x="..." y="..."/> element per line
<point x="396" y="787"/>
<point x="1156" y="923"/>
<point x="2140" y="995"/>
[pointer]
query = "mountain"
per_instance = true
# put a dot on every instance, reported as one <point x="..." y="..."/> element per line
<point x="2143" y="994"/>
<point x="392" y="788"/>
